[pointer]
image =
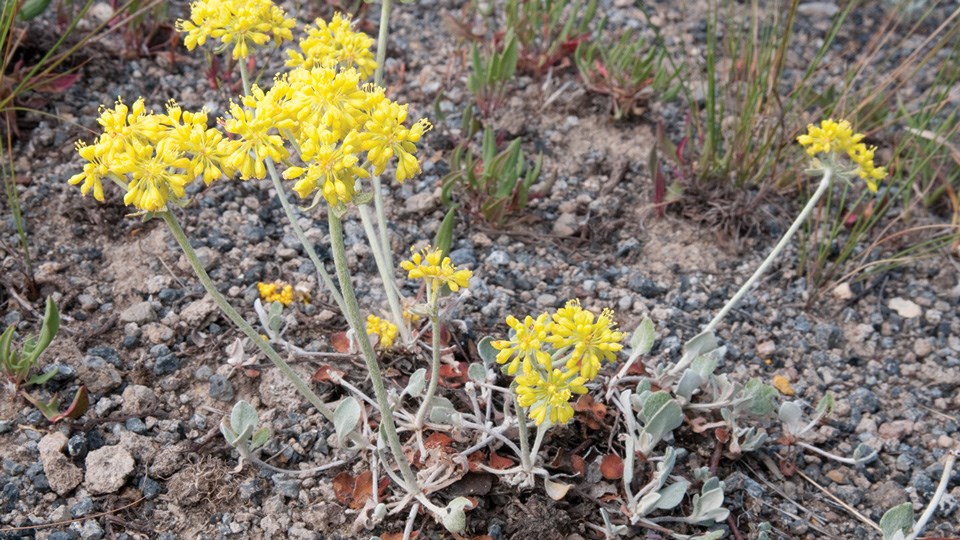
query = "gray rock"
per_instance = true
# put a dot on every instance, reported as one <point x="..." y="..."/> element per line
<point x="107" y="469"/>
<point x="62" y="475"/>
<point x="91" y="530"/>
<point x="196" y="313"/>
<point x="83" y="507"/>
<point x="141" y="313"/>
<point x="498" y="258"/>
<point x="221" y="388"/>
<point x="645" y="286"/>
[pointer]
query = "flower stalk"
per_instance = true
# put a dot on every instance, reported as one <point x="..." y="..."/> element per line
<point x="765" y="265"/>
<point x="386" y="274"/>
<point x="238" y="320"/>
<point x="434" y="367"/>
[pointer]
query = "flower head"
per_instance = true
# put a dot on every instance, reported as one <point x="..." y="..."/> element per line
<point x="386" y="330"/>
<point x="525" y="345"/>
<point x="592" y="338"/>
<point x="276" y="292"/>
<point x="431" y="266"/>
<point x="547" y="394"/>
<point x="334" y="44"/>
<point x="241" y="23"/>
<point x="831" y="139"/>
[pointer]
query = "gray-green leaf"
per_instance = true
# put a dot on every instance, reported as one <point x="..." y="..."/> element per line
<point x="345" y="418"/>
<point x="898" y="519"/>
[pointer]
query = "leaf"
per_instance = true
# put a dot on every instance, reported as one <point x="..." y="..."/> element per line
<point x="702" y="343"/>
<point x="243" y="419"/>
<point x="49" y="409"/>
<point x="499" y="462"/>
<point x="417" y="383"/>
<point x="454" y="518"/>
<point x="79" y="405"/>
<point x="345" y="418"/>
<point x="555" y="490"/>
<point x="487" y="353"/>
<point x="688" y="383"/>
<point x="662" y="414"/>
<point x="444" y="238"/>
<point x="40" y="379"/>
<point x="340" y="342"/>
<point x="325" y="373"/>
<point x="49" y="329"/>
<point x="260" y="438"/>
<point x="782" y="384"/>
<point x="343" y="486"/>
<point x="897" y="519"/>
<point x="611" y="467"/>
<point x="477" y="372"/>
<point x="790" y="414"/>
<point x="438" y="440"/>
<point x="641" y="342"/>
<point x="672" y="495"/>
<point x="708" y="505"/>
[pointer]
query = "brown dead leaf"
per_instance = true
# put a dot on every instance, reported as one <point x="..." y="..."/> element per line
<point x="438" y="440"/>
<point x="499" y="462"/>
<point x="354" y="491"/>
<point x="722" y="434"/>
<point x="579" y="465"/>
<point x="475" y="459"/>
<point x="325" y="373"/>
<point x="611" y="467"/>
<point x="343" y="485"/>
<point x="590" y="412"/>
<point x="340" y="342"/>
<point x="453" y="376"/>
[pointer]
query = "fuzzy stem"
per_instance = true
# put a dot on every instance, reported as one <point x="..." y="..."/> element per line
<point x="244" y="77"/>
<point x="382" y="37"/>
<point x="525" y="456"/>
<point x="386" y="274"/>
<point x="352" y="314"/>
<point x="937" y="497"/>
<point x="811" y="204"/>
<point x="302" y="237"/>
<point x="238" y="320"/>
<point x="541" y="431"/>
<point x="434" y="368"/>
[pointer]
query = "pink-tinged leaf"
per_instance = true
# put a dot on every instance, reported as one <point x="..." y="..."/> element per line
<point x="79" y="405"/>
<point x="57" y="84"/>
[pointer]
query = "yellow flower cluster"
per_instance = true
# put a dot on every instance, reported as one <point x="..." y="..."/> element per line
<point x="385" y="329"/>
<point x="436" y="270"/>
<point x="832" y="138"/>
<point x="334" y="44"/>
<point x="572" y="335"/>
<point x="152" y="156"/>
<point x="242" y="23"/>
<point x="276" y="292"/>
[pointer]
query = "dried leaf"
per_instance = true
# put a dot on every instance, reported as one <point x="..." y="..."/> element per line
<point x="454" y="375"/>
<point x="325" y="373"/>
<point x="555" y="490"/>
<point x="475" y="459"/>
<point x="611" y="467"/>
<point x="579" y="465"/>
<point x="438" y="440"/>
<point x="340" y="342"/>
<point x="343" y="486"/>
<point x="590" y="412"/>
<point x="499" y="462"/>
<point x="782" y="384"/>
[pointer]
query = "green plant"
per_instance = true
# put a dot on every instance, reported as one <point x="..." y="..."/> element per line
<point x="491" y="71"/>
<point x="631" y="71"/>
<point x="548" y="31"/>
<point x="17" y="365"/>
<point x="492" y="184"/>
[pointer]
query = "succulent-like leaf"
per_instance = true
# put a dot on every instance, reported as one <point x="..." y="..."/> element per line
<point x="487" y="353"/>
<point x="641" y="342"/>
<point x="477" y="372"/>
<point x="346" y="417"/>
<point x="708" y="505"/>
<point x="454" y="518"/>
<point x="790" y="414"/>
<point x="243" y="419"/>
<point x="417" y="383"/>
<point x="898" y="519"/>
<point x="444" y="238"/>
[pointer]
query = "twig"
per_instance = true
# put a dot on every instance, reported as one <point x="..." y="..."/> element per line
<point x="844" y="505"/>
<point x="937" y="496"/>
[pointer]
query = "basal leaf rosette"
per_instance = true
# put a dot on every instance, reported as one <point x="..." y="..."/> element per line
<point x="152" y="157"/>
<point x="554" y="356"/>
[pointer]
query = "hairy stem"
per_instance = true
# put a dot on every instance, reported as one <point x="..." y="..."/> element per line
<point x="352" y="314"/>
<point x="765" y="265"/>
<point x="434" y="368"/>
<point x="525" y="456"/>
<point x="239" y="321"/>
<point x="386" y="274"/>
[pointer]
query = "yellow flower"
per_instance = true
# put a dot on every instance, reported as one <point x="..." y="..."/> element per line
<point x="189" y="133"/>
<point x="243" y="23"/>
<point x="254" y="125"/>
<point x="276" y="292"/>
<point x="123" y="126"/>
<point x="332" y="170"/>
<point x="549" y="398"/>
<point x="524" y="346"/>
<point x="385" y="329"/>
<point x="386" y="137"/>
<point x="832" y="138"/>
<point x="334" y="44"/>
<point x="153" y="179"/>
<point x="93" y="171"/>
<point x="592" y="338"/>
<point x="436" y="270"/>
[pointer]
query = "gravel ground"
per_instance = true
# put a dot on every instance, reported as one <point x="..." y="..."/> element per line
<point x="140" y="334"/>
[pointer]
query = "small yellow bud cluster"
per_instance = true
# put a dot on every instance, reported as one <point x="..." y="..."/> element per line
<point x="334" y="44"/>
<point x="436" y="270"/>
<point x="386" y="330"/>
<point x="243" y="23"/>
<point x="572" y="335"/>
<point x="832" y="138"/>
<point x="153" y="156"/>
<point x="276" y="292"/>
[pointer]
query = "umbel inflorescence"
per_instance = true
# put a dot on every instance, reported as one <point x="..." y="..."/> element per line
<point x="832" y="139"/>
<point x="329" y="128"/>
<point x="556" y="355"/>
